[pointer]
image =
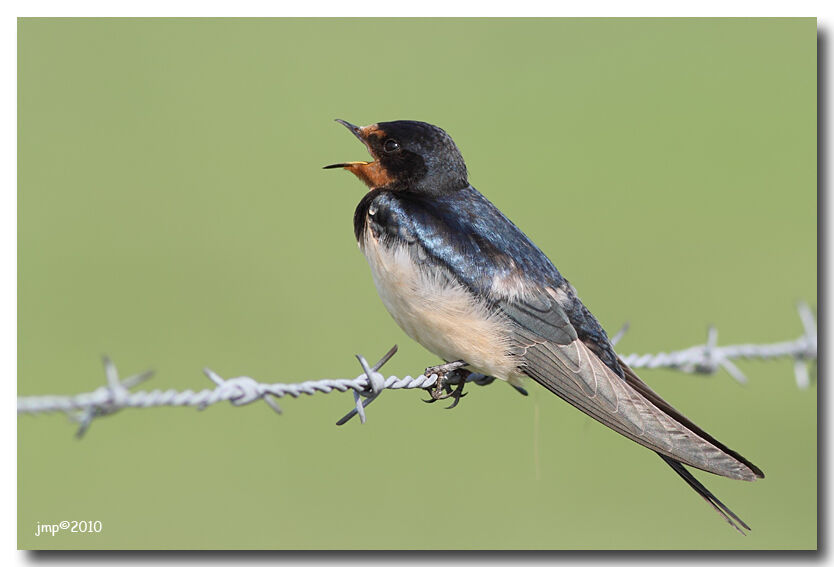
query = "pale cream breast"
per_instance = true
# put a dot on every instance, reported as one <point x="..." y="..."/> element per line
<point x="440" y="314"/>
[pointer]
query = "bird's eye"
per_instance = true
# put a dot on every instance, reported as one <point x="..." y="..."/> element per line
<point x="390" y="146"/>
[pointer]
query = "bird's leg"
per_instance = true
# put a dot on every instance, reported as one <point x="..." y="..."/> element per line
<point x="442" y="371"/>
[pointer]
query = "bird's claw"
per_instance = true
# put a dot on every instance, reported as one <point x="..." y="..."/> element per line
<point x="457" y="394"/>
<point x="442" y="389"/>
<point x="436" y="391"/>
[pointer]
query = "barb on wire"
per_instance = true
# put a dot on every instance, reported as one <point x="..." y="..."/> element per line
<point x="709" y="357"/>
<point x="368" y="386"/>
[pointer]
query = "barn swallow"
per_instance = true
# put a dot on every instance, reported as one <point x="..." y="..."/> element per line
<point x="463" y="281"/>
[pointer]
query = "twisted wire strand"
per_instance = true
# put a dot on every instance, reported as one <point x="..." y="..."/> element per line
<point x="366" y="387"/>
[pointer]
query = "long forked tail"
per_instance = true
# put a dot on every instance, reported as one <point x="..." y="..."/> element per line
<point x="711" y="499"/>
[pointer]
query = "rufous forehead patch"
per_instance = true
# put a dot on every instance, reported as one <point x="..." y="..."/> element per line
<point x="372" y="130"/>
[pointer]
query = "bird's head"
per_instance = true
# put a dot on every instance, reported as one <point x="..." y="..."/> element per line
<point x="407" y="156"/>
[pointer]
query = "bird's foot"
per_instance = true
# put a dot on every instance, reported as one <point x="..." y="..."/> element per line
<point x="442" y="389"/>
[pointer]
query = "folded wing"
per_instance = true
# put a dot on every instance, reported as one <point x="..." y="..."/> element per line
<point x="551" y="352"/>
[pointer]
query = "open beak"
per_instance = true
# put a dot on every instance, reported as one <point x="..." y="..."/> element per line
<point x="356" y="131"/>
<point x="372" y="173"/>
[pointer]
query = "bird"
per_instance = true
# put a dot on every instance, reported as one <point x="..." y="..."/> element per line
<point x="468" y="285"/>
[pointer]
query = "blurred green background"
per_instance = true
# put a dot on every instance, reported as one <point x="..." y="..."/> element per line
<point x="173" y="214"/>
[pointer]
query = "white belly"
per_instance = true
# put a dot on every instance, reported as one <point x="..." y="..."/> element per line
<point x="443" y="316"/>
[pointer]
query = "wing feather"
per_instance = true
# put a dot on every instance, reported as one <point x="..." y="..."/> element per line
<point x="728" y="515"/>
<point x="571" y="370"/>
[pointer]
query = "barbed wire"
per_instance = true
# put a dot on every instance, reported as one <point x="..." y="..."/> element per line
<point x="367" y="387"/>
